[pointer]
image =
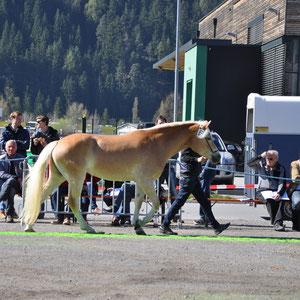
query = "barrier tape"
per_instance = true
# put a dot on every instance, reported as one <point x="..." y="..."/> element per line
<point x="233" y="186"/>
<point x="257" y="175"/>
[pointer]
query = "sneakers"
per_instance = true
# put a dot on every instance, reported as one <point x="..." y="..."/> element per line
<point x="67" y="221"/>
<point x="165" y="229"/>
<point x="96" y="211"/>
<point x="108" y="210"/>
<point x="279" y="227"/>
<point x="125" y="222"/>
<point x="2" y="214"/>
<point x="41" y="216"/>
<point x="57" y="222"/>
<point x="199" y="222"/>
<point x="221" y="228"/>
<point x="15" y="216"/>
<point x="115" y="221"/>
<point x="9" y="219"/>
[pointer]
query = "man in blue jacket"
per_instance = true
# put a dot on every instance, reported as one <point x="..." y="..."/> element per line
<point x="16" y="132"/>
<point x="10" y="177"/>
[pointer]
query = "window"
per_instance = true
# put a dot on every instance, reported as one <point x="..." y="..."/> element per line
<point x="256" y="31"/>
<point x="273" y="62"/>
<point x="292" y="77"/>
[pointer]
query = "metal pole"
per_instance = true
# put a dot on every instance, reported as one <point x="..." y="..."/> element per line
<point x="176" y="61"/>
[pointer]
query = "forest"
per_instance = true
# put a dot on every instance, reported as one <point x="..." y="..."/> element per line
<point x="98" y="53"/>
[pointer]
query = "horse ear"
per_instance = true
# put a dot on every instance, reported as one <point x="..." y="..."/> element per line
<point x="205" y="125"/>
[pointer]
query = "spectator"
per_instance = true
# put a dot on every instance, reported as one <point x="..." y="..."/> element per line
<point x="44" y="135"/>
<point x="58" y="204"/>
<point x="58" y="201"/>
<point x="270" y="190"/>
<point x="206" y="177"/>
<point x="190" y="183"/>
<point x="294" y="194"/>
<point x="120" y="218"/>
<point x="14" y="131"/>
<point x="90" y="188"/>
<point x="10" y="178"/>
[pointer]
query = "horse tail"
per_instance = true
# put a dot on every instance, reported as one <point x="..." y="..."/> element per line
<point x="34" y="186"/>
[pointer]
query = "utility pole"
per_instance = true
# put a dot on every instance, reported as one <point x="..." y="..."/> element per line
<point x="176" y="62"/>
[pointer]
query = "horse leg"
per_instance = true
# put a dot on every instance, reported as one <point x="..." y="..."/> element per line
<point x="138" y="203"/>
<point x="74" y="194"/>
<point x="148" y="188"/>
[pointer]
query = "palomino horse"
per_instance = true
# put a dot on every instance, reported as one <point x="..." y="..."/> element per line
<point x="139" y="156"/>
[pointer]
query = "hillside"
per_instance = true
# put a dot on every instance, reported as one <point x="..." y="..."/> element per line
<point x="97" y="52"/>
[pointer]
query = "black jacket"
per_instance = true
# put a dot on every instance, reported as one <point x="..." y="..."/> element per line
<point x="189" y="165"/>
<point x="20" y="135"/>
<point x="50" y="135"/>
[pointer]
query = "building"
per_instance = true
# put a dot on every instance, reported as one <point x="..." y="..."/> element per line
<point x="243" y="46"/>
<point x="126" y="128"/>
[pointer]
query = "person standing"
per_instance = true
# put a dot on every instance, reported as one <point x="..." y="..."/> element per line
<point x="44" y="135"/>
<point x="14" y="131"/>
<point x="270" y="190"/>
<point x="190" y="169"/>
<point x="10" y="178"/>
<point x="294" y="194"/>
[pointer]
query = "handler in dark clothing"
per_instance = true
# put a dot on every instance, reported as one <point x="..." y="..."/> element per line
<point x="190" y="169"/>
<point x="15" y="131"/>
<point x="10" y="177"/>
<point x="267" y="164"/>
<point x="44" y="135"/>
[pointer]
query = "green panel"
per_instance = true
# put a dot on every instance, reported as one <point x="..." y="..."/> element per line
<point x="194" y="83"/>
<point x="189" y="77"/>
<point x="200" y="93"/>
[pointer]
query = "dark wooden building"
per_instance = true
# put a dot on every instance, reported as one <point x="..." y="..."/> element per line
<point x="272" y="24"/>
<point x="243" y="46"/>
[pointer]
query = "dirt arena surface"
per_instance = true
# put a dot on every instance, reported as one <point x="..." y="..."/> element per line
<point x="153" y="267"/>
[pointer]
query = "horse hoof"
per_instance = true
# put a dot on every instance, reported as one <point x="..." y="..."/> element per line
<point x="91" y="230"/>
<point x="137" y="225"/>
<point x="29" y="229"/>
<point x="140" y="231"/>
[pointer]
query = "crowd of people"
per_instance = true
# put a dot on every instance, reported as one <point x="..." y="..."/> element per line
<point x="194" y="179"/>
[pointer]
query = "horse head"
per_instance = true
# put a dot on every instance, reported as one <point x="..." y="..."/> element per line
<point x="204" y="145"/>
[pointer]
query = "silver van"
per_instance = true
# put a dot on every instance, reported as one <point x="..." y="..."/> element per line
<point x="227" y="162"/>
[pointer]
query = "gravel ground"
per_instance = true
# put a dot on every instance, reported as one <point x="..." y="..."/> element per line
<point x="131" y="267"/>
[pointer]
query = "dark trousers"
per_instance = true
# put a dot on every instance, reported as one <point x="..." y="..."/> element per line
<point x="191" y="185"/>
<point x="58" y="202"/>
<point x="275" y="210"/>
<point x="9" y="188"/>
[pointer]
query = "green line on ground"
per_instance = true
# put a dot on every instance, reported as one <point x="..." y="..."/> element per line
<point x="102" y="234"/>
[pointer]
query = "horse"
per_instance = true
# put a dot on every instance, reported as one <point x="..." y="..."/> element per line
<point x="138" y="156"/>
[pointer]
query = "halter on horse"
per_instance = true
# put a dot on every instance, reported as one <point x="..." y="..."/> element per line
<point x="139" y="156"/>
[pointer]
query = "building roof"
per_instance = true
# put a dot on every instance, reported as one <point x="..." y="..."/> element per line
<point x="168" y="62"/>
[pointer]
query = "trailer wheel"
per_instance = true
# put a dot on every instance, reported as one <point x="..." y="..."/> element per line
<point x="287" y="209"/>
